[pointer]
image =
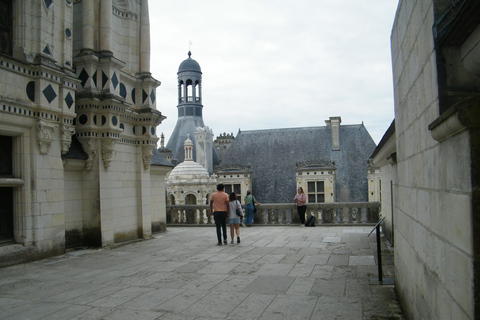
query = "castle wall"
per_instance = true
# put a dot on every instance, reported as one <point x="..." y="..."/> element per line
<point x="101" y="190"/>
<point x="432" y="202"/>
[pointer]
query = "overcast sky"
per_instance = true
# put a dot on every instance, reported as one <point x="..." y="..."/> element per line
<point x="277" y="63"/>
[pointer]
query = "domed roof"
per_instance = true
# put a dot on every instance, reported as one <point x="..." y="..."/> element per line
<point x="190" y="171"/>
<point x="189" y="65"/>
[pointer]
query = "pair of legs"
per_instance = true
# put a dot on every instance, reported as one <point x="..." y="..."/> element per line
<point x="248" y="214"/>
<point x="220" y="218"/>
<point x="301" y="213"/>
<point x="235" y="227"/>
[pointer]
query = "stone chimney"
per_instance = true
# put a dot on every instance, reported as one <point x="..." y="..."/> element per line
<point x="334" y="123"/>
<point x="204" y="147"/>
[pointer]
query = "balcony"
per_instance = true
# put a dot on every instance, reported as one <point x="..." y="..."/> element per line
<point x="336" y="213"/>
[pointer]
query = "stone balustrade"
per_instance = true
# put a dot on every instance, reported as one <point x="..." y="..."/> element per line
<point x="336" y="213"/>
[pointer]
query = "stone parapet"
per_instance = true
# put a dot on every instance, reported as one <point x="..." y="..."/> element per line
<point x="337" y="213"/>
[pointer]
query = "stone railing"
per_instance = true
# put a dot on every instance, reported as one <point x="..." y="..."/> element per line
<point x="337" y="213"/>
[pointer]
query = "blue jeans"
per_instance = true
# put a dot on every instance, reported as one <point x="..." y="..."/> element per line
<point x="248" y="214"/>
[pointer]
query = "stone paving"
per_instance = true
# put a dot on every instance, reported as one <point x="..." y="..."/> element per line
<point x="274" y="273"/>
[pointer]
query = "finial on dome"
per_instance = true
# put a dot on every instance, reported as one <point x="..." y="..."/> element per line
<point x="189" y="53"/>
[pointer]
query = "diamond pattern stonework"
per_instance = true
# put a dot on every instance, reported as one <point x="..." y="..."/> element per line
<point x="49" y="93"/>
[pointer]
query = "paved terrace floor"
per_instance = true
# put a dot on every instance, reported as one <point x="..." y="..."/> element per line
<point x="274" y="273"/>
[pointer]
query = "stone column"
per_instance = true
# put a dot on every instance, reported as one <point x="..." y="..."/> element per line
<point x="144" y="38"/>
<point x="106" y="25"/>
<point x="88" y="25"/>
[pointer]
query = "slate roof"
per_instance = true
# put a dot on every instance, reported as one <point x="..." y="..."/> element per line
<point x="273" y="155"/>
<point x="185" y="126"/>
<point x="159" y="160"/>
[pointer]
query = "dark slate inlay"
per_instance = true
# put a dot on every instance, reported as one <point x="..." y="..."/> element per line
<point x="46" y="50"/>
<point x="122" y="126"/>
<point x="31" y="90"/>
<point x="48" y="3"/>
<point x="115" y="81"/>
<point x="68" y="33"/>
<point x="144" y="96"/>
<point x="123" y="91"/>
<point x="69" y="100"/>
<point x="104" y="120"/>
<point x="95" y="119"/>
<point x="49" y="93"/>
<point x="152" y="96"/>
<point x="152" y="131"/>
<point x="83" y="76"/>
<point x="114" y="120"/>
<point x="83" y="119"/>
<point x="94" y="78"/>
<point x="133" y="95"/>
<point x="104" y="79"/>
<point x="144" y="130"/>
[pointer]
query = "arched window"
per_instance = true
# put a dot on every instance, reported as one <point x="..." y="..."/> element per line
<point x="189" y="91"/>
<point x="190" y="199"/>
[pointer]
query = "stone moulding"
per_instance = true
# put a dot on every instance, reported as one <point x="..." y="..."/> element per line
<point x="457" y="118"/>
<point x="45" y="135"/>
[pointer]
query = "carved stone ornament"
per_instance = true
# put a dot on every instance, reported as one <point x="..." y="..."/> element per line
<point x="147" y="156"/>
<point x="108" y="145"/>
<point x="67" y="132"/>
<point x="88" y="145"/>
<point x="45" y="135"/>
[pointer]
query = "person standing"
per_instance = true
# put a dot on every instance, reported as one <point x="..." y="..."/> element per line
<point x="249" y="201"/>
<point x="233" y="217"/>
<point x="301" y="201"/>
<point x="219" y="206"/>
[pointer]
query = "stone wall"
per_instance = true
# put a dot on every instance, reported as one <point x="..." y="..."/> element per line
<point x="432" y="206"/>
<point x="82" y="125"/>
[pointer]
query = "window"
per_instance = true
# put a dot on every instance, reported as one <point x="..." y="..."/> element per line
<point x="316" y="191"/>
<point x="380" y="188"/>
<point x="233" y="188"/>
<point x="6" y="26"/>
<point x="6" y="158"/>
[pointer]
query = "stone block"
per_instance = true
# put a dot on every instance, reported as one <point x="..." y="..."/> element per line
<point x="461" y="222"/>
<point x="459" y="278"/>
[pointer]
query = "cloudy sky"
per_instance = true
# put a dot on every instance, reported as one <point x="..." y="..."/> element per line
<point x="277" y="63"/>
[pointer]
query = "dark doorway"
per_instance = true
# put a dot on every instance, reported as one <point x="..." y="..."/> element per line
<point x="6" y="215"/>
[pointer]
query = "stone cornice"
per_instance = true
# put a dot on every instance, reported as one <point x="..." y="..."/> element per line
<point x="459" y="117"/>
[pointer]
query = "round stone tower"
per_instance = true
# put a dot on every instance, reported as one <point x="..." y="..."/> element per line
<point x="189" y="110"/>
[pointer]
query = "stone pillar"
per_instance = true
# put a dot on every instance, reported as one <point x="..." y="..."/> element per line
<point x="106" y="25"/>
<point x="144" y="38"/>
<point x="88" y="25"/>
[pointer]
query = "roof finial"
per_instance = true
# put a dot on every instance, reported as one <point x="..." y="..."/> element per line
<point x="189" y="54"/>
